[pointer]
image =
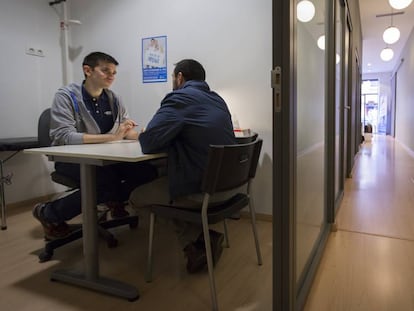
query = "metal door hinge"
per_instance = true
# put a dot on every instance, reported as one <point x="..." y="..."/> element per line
<point x="276" y="83"/>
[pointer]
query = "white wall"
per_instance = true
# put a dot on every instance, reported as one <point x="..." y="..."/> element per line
<point x="404" y="102"/>
<point x="404" y="125"/>
<point x="27" y="85"/>
<point x="27" y="82"/>
<point x="232" y="39"/>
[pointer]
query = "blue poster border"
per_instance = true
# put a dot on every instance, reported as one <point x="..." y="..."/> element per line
<point x="154" y="59"/>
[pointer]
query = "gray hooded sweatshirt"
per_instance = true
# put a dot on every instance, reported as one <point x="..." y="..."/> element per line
<point x="70" y="117"/>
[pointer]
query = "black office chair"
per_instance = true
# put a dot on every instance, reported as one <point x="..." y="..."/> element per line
<point x="244" y="140"/>
<point x="247" y="139"/>
<point x="229" y="167"/>
<point x="44" y="141"/>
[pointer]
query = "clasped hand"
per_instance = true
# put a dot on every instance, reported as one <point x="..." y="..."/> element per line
<point x="125" y="129"/>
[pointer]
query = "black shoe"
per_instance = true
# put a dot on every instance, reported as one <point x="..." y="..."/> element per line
<point x="216" y="241"/>
<point x="117" y="209"/>
<point x="196" y="258"/>
<point x="51" y="230"/>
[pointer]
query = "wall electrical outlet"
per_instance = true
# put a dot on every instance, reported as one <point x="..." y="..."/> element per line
<point x="35" y="52"/>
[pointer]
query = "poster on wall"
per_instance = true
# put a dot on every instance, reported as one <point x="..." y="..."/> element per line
<point x="154" y="59"/>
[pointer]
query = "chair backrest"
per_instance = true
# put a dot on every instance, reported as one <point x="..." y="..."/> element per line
<point x="43" y="136"/>
<point x="43" y="127"/>
<point x="230" y="166"/>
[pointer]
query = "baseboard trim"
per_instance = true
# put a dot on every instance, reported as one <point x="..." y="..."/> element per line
<point x="28" y="203"/>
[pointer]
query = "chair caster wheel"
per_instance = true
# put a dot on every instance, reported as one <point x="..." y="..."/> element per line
<point x="45" y="256"/>
<point x="112" y="243"/>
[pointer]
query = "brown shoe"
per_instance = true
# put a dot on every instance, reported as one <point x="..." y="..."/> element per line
<point x="52" y="231"/>
<point x="117" y="209"/>
<point x="196" y="258"/>
<point x="216" y="242"/>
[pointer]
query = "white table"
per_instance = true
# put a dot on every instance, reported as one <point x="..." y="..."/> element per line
<point x="89" y="156"/>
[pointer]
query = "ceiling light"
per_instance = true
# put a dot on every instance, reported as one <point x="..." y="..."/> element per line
<point x="321" y="42"/>
<point x="391" y="35"/>
<point x="305" y="11"/>
<point x="399" y="4"/>
<point x="387" y="54"/>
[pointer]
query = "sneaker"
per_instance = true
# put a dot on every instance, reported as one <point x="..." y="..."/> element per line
<point x="196" y="258"/>
<point x="52" y="231"/>
<point x="117" y="209"/>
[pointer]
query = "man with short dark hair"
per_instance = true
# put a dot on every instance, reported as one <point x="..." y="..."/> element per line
<point x="89" y="113"/>
<point x="189" y="120"/>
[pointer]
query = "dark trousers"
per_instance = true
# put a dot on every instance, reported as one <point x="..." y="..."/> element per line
<point x="113" y="183"/>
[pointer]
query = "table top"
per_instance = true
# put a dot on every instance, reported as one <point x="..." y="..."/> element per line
<point x="18" y="143"/>
<point x="124" y="150"/>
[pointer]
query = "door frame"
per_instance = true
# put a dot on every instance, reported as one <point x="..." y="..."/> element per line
<point x="283" y="23"/>
<point x="287" y="294"/>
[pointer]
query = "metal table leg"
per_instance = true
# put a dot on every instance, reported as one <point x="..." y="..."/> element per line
<point x="90" y="277"/>
<point x="2" y="198"/>
<point x="4" y="180"/>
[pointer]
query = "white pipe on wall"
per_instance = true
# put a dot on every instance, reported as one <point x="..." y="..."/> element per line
<point x="64" y="28"/>
<point x="65" y="45"/>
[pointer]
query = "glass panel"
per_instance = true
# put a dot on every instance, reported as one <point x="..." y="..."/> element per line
<point x="338" y="98"/>
<point x="310" y="193"/>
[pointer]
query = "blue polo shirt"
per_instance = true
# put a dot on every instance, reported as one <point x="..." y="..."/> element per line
<point x="100" y="110"/>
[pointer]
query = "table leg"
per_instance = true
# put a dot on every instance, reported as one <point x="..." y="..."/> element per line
<point x="90" y="278"/>
<point x="2" y="198"/>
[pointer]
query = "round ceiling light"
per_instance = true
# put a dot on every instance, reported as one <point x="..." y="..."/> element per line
<point x="399" y="4"/>
<point x="387" y="54"/>
<point x="305" y="11"/>
<point x="391" y="35"/>
<point x="321" y="42"/>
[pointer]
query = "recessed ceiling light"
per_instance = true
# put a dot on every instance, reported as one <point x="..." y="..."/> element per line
<point x="399" y="4"/>
<point x="321" y="42"/>
<point x="387" y="54"/>
<point x="391" y="35"/>
<point x="305" y="11"/>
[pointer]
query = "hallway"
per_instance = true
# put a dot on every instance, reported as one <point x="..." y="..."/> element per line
<point x="368" y="264"/>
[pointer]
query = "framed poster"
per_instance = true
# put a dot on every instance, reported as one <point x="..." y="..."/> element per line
<point x="154" y="59"/>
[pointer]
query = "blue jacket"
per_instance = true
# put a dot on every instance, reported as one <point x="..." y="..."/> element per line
<point x="188" y="121"/>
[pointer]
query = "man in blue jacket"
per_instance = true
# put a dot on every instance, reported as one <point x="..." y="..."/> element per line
<point x="189" y="120"/>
